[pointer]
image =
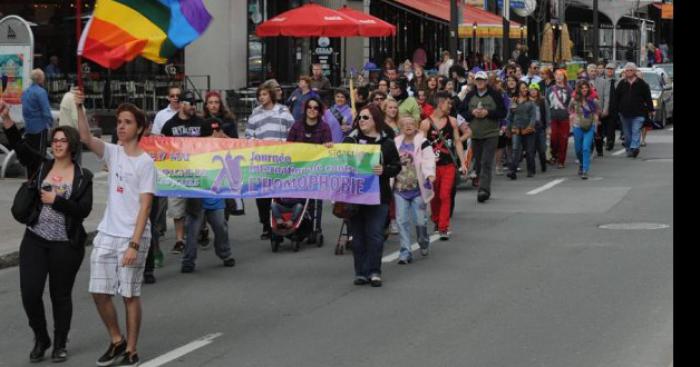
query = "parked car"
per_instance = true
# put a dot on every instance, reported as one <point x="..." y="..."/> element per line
<point x="667" y="68"/>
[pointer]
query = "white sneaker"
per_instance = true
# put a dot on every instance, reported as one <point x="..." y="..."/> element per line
<point x="394" y="228"/>
<point x="499" y="171"/>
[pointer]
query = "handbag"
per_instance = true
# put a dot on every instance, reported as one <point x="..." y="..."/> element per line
<point x="26" y="199"/>
<point x="235" y="207"/>
<point x="345" y="210"/>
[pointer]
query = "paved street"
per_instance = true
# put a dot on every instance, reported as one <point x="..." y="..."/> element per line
<point x="526" y="280"/>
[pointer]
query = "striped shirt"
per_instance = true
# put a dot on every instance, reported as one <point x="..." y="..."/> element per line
<point x="272" y="124"/>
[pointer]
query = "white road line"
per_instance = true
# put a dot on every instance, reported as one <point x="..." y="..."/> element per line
<point x="395" y="255"/>
<point x="547" y="186"/>
<point x="619" y="152"/>
<point x="179" y="352"/>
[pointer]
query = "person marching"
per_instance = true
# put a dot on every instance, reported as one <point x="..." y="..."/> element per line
<point x="584" y="111"/>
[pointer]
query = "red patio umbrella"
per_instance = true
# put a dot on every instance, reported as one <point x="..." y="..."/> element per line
<point x="370" y="26"/>
<point x="310" y="20"/>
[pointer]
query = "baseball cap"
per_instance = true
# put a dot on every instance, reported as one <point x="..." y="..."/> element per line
<point x="481" y="75"/>
<point x="188" y="96"/>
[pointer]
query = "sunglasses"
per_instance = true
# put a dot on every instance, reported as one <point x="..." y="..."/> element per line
<point x="315" y="108"/>
<point x="365" y="117"/>
<point x="56" y="141"/>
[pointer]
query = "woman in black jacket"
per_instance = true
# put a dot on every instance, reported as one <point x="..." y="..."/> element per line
<point x="367" y="226"/>
<point x="54" y="241"/>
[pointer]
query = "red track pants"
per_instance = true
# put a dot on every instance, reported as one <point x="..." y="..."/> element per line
<point x="440" y="205"/>
<point x="560" y="139"/>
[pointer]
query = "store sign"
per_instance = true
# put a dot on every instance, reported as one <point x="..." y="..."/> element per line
<point x="667" y="11"/>
<point x="514" y="4"/>
<point x="16" y="61"/>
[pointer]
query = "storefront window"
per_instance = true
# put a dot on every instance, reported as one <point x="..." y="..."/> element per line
<point x="256" y="68"/>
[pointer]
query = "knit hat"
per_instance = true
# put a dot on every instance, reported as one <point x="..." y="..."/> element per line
<point x="535" y="86"/>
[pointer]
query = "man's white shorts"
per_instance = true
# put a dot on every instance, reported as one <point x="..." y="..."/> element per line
<point x="108" y="275"/>
<point x="177" y="207"/>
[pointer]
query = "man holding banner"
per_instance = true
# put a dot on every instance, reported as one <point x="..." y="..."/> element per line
<point x="270" y="121"/>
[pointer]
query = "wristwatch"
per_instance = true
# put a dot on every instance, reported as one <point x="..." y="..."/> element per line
<point x="134" y="245"/>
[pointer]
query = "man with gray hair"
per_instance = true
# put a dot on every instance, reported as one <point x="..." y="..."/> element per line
<point x="633" y="103"/>
<point x="36" y="111"/>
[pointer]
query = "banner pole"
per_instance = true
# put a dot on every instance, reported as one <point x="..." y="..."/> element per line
<point x="78" y="32"/>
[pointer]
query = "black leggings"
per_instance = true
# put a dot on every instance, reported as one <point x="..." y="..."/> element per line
<point x="60" y="261"/>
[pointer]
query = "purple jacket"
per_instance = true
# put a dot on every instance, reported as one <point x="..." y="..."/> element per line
<point x="319" y="134"/>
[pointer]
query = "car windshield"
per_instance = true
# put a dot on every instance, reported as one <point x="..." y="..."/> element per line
<point x="653" y="79"/>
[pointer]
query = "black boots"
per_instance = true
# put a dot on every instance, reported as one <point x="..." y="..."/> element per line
<point x="41" y="344"/>
<point x="59" y="353"/>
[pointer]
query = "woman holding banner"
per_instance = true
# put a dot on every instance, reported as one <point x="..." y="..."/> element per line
<point x="367" y="226"/>
<point x="312" y="129"/>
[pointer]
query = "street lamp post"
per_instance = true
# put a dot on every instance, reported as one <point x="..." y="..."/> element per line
<point x="585" y="35"/>
<point x="474" y="36"/>
<point x="522" y="30"/>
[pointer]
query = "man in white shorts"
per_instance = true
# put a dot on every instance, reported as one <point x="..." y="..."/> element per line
<point x="121" y="245"/>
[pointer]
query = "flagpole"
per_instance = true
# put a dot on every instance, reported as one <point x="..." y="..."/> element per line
<point x="78" y="32"/>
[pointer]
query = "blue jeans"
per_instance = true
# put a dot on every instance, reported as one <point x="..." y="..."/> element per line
<point x="367" y="228"/>
<point x="632" y="127"/>
<point x="528" y="143"/>
<point x="217" y="220"/>
<point x="407" y="212"/>
<point x="583" y="144"/>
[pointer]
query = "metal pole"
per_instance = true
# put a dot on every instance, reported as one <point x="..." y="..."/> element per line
<point x="78" y="31"/>
<point x="454" y="25"/>
<point x="506" y="30"/>
<point x="596" y="32"/>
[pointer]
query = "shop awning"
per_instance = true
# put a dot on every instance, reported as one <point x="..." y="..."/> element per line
<point x="488" y="24"/>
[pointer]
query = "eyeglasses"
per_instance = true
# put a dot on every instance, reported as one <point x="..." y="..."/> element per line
<point x="315" y="108"/>
<point x="365" y="117"/>
<point x="56" y="141"/>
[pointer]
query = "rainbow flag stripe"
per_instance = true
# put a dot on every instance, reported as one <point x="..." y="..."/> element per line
<point x="121" y="30"/>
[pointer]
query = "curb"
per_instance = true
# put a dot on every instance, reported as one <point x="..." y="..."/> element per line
<point x="12" y="259"/>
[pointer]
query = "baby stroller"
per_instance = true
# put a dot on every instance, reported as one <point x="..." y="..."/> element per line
<point x="304" y="227"/>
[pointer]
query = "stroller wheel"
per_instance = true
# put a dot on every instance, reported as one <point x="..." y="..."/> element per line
<point x="296" y="246"/>
<point x="275" y="245"/>
<point x="319" y="243"/>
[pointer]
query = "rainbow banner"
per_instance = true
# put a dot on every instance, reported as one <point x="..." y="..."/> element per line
<point x="121" y="30"/>
<point x="239" y="168"/>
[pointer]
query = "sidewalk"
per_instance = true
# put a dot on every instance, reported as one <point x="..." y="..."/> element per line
<point x="12" y="231"/>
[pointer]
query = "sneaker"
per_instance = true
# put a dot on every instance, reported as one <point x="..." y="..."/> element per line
<point x="512" y="175"/>
<point x="113" y="353"/>
<point x="499" y="171"/>
<point x="643" y="144"/>
<point x="584" y="176"/>
<point x="129" y="359"/>
<point x="629" y="154"/>
<point x="519" y="169"/>
<point x="394" y="228"/>
<point x="149" y="278"/>
<point x="178" y="248"/>
<point x="40" y="348"/>
<point x="361" y="281"/>
<point x="482" y="196"/>
<point x="230" y="262"/>
<point x="444" y="235"/>
<point x="405" y="261"/>
<point x="187" y="269"/>
<point x="425" y="251"/>
<point x="635" y="153"/>
<point x="158" y="258"/>
<point x="376" y="281"/>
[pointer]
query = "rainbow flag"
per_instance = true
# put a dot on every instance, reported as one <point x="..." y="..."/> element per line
<point x="121" y="30"/>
